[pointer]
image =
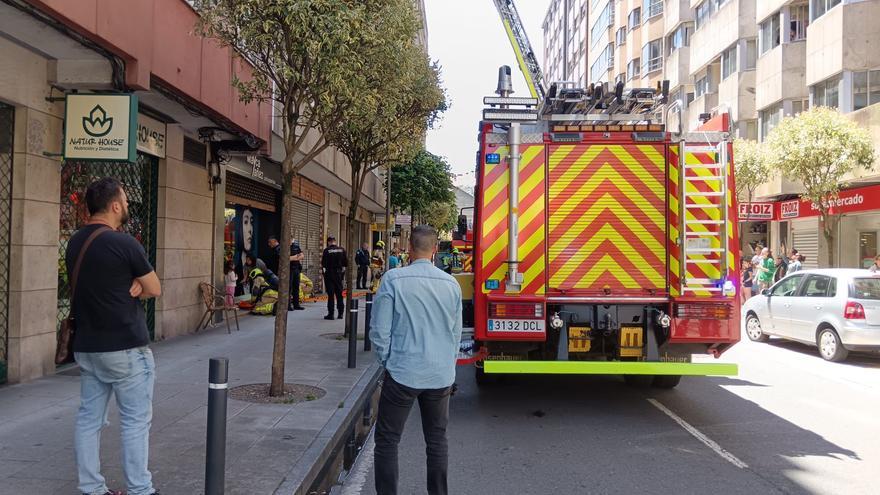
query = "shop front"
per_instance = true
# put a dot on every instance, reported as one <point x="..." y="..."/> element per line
<point x="754" y="223"/>
<point x="252" y="211"/>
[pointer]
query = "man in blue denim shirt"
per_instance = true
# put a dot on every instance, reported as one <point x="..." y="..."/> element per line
<point x="416" y="330"/>
<point x="111" y="339"/>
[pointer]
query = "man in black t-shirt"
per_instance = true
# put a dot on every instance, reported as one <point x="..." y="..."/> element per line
<point x="111" y="338"/>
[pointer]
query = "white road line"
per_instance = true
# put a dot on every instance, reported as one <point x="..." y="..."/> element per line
<point x="700" y="436"/>
<point x="357" y="478"/>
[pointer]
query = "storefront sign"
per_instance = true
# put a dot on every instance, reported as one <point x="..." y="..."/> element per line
<point x="256" y="168"/>
<point x="789" y="209"/>
<point x="151" y="136"/>
<point x="403" y="220"/>
<point x="100" y="127"/>
<point x="749" y="212"/>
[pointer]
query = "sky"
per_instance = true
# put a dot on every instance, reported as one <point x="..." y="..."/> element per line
<point x="467" y="38"/>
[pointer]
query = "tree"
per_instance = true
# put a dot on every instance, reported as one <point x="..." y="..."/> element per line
<point x="750" y="168"/>
<point x="818" y="148"/>
<point x="304" y="59"/>
<point x="394" y="107"/>
<point x="420" y="182"/>
<point x="441" y="216"/>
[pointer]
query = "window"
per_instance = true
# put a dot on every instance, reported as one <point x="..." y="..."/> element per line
<point x="819" y="7"/>
<point x="604" y="20"/>
<point x="703" y="12"/>
<point x="788" y="286"/>
<point x="600" y="67"/>
<point x="678" y="39"/>
<point x="825" y="94"/>
<point x="620" y="78"/>
<point x="635" y="18"/>
<point x="620" y="37"/>
<point x="799" y="21"/>
<point x="769" y="33"/>
<point x="751" y="55"/>
<point x="769" y="120"/>
<point x="728" y="62"/>
<point x="865" y="288"/>
<point x="866" y="88"/>
<point x="798" y="106"/>
<point x="701" y="86"/>
<point x="751" y="130"/>
<point x="652" y="8"/>
<point x="819" y="286"/>
<point x="652" y="56"/>
<point x="633" y="68"/>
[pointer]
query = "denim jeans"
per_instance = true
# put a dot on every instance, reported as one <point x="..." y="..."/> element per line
<point x="394" y="406"/>
<point x="129" y="375"/>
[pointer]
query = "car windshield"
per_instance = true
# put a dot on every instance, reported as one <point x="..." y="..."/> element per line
<point x="865" y="288"/>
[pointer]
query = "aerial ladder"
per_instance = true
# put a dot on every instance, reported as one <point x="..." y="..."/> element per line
<point x="525" y="55"/>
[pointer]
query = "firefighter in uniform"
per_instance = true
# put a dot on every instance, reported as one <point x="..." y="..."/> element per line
<point x="333" y="262"/>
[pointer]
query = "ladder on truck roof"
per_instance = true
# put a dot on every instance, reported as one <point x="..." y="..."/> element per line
<point x="525" y="55"/>
<point x="703" y="210"/>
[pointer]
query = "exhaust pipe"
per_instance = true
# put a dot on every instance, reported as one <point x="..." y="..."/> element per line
<point x="514" y="278"/>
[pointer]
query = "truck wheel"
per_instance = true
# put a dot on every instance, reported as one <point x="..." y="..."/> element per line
<point x="484" y="379"/>
<point x="638" y="381"/>
<point x="666" y="381"/>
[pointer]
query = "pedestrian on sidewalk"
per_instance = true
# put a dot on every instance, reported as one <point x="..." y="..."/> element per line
<point x="333" y="262"/>
<point x="230" y="279"/>
<point x="111" y="339"/>
<point x="362" y="259"/>
<point x="415" y="331"/>
<point x="295" y="258"/>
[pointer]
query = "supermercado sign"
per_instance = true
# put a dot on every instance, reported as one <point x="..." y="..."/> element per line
<point x="851" y="201"/>
<point x="100" y="127"/>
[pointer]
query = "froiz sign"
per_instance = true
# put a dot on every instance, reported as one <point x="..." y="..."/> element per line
<point x="100" y="127"/>
<point x="755" y="211"/>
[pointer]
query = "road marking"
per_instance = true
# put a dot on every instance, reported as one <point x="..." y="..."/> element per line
<point x="357" y="478"/>
<point x="700" y="436"/>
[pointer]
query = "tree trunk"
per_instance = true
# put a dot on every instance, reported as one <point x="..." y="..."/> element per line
<point x="828" y="228"/>
<point x="276" y="387"/>
<point x="351" y="243"/>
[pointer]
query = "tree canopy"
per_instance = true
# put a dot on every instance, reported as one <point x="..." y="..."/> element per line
<point x="418" y="183"/>
<point x="750" y="169"/>
<point x="819" y="148"/>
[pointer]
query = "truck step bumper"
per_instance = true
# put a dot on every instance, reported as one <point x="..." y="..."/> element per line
<point x="609" y="368"/>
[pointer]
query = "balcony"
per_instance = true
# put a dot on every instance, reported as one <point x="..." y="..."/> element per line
<point x="677" y="11"/>
<point x="736" y="94"/>
<point x="780" y="73"/>
<point x="677" y="68"/>
<point x="844" y="38"/>
<point x="703" y="104"/>
<point x="735" y="20"/>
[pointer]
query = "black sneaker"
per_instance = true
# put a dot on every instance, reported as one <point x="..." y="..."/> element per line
<point x="329" y="317"/>
<point x="341" y="315"/>
<point x="115" y="492"/>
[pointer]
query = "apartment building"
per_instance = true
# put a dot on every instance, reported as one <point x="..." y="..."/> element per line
<point x="565" y="41"/>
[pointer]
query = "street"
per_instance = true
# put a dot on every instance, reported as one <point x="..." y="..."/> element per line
<point x="789" y="423"/>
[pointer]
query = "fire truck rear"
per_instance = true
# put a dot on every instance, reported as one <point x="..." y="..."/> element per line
<point x="603" y="243"/>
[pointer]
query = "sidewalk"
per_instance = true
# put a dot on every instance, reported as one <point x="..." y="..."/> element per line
<point x="266" y="443"/>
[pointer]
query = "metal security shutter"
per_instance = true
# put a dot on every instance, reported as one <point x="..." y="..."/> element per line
<point x="245" y="192"/>
<point x="306" y="224"/>
<point x="805" y="238"/>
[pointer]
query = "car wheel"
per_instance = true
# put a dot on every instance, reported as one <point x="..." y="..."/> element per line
<point x="830" y="346"/>
<point x="666" y="381"/>
<point x="754" y="331"/>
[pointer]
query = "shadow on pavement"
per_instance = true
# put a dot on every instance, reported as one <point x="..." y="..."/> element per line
<point x="859" y="359"/>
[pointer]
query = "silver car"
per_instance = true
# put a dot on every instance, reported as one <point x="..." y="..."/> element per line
<point x="837" y="310"/>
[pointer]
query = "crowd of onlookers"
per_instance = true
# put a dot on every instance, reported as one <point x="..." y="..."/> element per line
<point x="763" y="270"/>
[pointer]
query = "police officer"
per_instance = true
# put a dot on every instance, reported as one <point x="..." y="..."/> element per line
<point x="296" y="256"/>
<point x="333" y="262"/>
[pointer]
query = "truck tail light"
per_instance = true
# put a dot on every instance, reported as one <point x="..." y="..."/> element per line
<point x="712" y="311"/>
<point x="516" y="310"/>
<point x="853" y="311"/>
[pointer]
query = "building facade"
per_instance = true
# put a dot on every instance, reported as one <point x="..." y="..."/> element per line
<point x="756" y="61"/>
<point x="204" y="187"/>
<point x="565" y="41"/>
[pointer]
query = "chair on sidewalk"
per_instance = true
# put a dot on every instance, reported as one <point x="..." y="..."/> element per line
<point x="215" y="301"/>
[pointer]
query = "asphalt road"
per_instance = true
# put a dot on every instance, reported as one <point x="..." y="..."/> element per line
<point x="789" y="423"/>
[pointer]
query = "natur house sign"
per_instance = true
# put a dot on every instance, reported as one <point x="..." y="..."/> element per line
<point x="100" y="127"/>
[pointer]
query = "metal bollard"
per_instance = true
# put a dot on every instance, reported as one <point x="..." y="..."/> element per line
<point x="215" y="452"/>
<point x="352" y="334"/>
<point x="369" y="311"/>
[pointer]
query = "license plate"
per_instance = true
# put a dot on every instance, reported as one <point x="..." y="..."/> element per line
<point x="516" y="325"/>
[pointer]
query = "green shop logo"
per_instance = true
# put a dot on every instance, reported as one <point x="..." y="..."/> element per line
<point x="97" y="124"/>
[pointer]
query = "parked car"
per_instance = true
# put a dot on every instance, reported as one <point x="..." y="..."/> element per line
<point x="836" y="310"/>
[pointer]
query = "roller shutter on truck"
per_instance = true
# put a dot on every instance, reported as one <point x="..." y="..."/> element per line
<point x="607" y="222"/>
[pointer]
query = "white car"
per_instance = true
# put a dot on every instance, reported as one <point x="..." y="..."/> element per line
<point x="836" y="310"/>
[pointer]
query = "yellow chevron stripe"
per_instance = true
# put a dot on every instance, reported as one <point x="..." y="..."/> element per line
<point x="536" y="270"/>
<point x="496" y="217"/>
<point x="606" y="202"/>
<point x="531" y="243"/>
<point x="639" y="170"/>
<point x="605" y="173"/>
<point x="494" y="249"/>
<point x="607" y="264"/>
<point x="575" y="170"/>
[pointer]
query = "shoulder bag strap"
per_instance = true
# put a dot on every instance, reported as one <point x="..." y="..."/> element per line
<point x="79" y="259"/>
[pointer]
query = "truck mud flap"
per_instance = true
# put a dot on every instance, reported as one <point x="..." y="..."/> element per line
<point x="610" y="368"/>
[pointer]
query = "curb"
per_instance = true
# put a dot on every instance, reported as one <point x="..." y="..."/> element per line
<point x="300" y="478"/>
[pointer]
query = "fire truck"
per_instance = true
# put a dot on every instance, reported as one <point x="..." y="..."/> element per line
<point x="603" y="241"/>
